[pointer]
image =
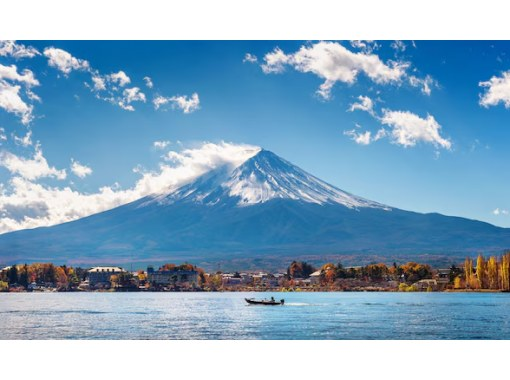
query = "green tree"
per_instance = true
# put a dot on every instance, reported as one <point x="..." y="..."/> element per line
<point x="13" y="275"/>
<point x="23" y="276"/>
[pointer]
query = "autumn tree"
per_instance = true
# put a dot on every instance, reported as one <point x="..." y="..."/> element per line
<point x="375" y="272"/>
<point x="469" y="274"/>
<point x="414" y="272"/>
<point x="481" y="272"/>
<point x="328" y="273"/>
<point x="4" y="286"/>
<point x="60" y="277"/>
<point x="492" y="273"/>
<point x="167" y="267"/>
<point x="504" y="271"/>
<point x="300" y="269"/>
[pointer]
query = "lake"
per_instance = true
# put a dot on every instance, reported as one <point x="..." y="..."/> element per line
<point x="342" y="315"/>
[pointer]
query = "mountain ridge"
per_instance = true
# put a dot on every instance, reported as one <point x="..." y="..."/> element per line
<point x="266" y="206"/>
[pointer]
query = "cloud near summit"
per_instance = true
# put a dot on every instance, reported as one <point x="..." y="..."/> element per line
<point x="45" y="205"/>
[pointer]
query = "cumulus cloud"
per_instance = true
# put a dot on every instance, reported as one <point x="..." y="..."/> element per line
<point x="80" y="170"/>
<point x="11" y="101"/>
<point x="17" y="51"/>
<point x="148" y="82"/>
<point x="30" y="168"/>
<point x="11" y="90"/>
<point x="99" y="83"/>
<point x="120" y="78"/>
<point x="130" y="95"/>
<point x="333" y="62"/>
<point x="45" y="205"/>
<point x="365" y="104"/>
<point x="64" y="61"/>
<point x="250" y="58"/>
<point x="10" y="73"/>
<point x="186" y="104"/>
<point x="3" y="136"/>
<point x="497" y="91"/>
<point x="161" y="144"/>
<point x="407" y="129"/>
<point x="499" y="211"/>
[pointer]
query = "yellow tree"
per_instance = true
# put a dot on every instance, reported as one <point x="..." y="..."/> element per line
<point x="492" y="272"/>
<point x="504" y="272"/>
<point x="481" y="272"/>
<point x="468" y="271"/>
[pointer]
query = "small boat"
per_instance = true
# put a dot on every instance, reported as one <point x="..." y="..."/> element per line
<point x="272" y="301"/>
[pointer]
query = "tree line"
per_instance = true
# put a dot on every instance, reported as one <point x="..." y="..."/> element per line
<point x="492" y="273"/>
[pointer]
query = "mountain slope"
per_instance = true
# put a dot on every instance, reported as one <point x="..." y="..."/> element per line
<point x="265" y="206"/>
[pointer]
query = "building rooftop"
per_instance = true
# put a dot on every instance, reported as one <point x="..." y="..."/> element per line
<point x="106" y="269"/>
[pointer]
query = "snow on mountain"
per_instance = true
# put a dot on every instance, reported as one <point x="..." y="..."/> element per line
<point x="259" y="179"/>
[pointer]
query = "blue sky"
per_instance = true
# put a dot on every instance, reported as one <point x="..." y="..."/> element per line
<point x="421" y="126"/>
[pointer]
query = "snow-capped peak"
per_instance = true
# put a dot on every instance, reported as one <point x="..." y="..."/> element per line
<point x="259" y="179"/>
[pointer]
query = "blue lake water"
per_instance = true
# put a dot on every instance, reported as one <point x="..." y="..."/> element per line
<point x="226" y="316"/>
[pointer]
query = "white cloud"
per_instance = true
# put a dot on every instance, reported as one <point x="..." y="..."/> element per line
<point x="17" y="51"/>
<point x="3" y="136"/>
<point x="133" y="95"/>
<point x="249" y="58"/>
<point x="45" y="205"/>
<point x="361" y="138"/>
<point x="64" y="61"/>
<point x="11" y="73"/>
<point x="365" y="104"/>
<point x="408" y="128"/>
<point x="30" y="168"/>
<point x="10" y="92"/>
<point x="498" y="91"/>
<point x="499" y="211"/>
<point x="426" y="83"/>
<point x="366" y="46"/>
<point x="11" y="101"/>
<point x="186" y="104"/>
<point x="161" y="144"/>
<point x="25" y="140"/>
<point x="365" y="138"/>
<point x="120" y="78"/>
<point x="99" y="82"/>
<point x="80" y="170"/>
<point x="334" y="63"/>
<point x="398" y="46"/>
<point x="130" y="95"/>
<point x="148" y="82"/>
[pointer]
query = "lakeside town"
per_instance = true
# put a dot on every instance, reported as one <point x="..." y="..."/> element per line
<point x="481" y="274"/>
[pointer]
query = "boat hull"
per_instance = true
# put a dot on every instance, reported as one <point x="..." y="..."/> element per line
<point x="264" y="302"/>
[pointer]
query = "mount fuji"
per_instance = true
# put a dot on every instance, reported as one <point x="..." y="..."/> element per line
<point x="263" y="207"/>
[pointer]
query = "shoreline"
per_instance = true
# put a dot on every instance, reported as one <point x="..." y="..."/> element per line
<point x="275" y="290"/>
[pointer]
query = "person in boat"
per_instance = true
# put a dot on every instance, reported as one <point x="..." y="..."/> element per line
<point x="272" y="299"/>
